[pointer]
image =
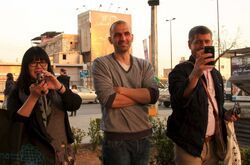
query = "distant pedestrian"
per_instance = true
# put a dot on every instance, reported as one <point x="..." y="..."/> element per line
<point x="74" y="89"/>
<point x="9" y="84"/>
<point x="64" y="78"/>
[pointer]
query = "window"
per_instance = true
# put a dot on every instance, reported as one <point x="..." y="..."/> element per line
<point x="73" y="45"/>
<point x="64" y="57"/>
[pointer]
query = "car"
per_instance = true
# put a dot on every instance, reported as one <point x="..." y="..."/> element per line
<point x="88" y="95"/>
<point x="227" y="90"/>
<point x="164" y="97"/>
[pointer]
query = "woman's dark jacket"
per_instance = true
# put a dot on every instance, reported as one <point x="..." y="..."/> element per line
<point x="187" y="124"/>
<point x="34" y="129"/>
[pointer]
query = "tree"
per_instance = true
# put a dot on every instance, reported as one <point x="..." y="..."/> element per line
<point x="226" y="42"/>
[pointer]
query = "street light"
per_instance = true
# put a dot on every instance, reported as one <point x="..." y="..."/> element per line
<point x="218" y="28"/>
<point x="154" y="34"/>
<point x="170" y="28"/>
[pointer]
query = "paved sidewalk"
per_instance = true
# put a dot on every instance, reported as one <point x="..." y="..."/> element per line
<point x="82" y="121"/>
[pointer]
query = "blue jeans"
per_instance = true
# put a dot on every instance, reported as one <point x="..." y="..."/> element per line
<point x="129" y="152"/>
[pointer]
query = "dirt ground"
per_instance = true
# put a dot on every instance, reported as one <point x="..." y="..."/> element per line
<point x="86" y="156"/>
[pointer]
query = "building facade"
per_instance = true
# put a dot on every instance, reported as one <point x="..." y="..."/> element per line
<point x="64" y="53"/>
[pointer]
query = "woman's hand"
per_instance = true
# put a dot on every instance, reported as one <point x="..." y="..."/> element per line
<point x="51" y="81"/>
<point x="38" y="90"/>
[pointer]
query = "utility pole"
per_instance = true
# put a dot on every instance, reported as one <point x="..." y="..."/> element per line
<point x="154" y="34"/>
<point x="218" y="28"/>
<point x="170" y="31"/>
<point x="153" y="109"/>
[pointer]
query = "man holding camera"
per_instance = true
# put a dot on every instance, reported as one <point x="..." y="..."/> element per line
<point x="192" y="124"/>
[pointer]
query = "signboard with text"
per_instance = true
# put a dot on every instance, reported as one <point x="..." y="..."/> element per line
<point x="240" y="69"/>
<point x="84" y="74"/>
<point x="241" y="65"/>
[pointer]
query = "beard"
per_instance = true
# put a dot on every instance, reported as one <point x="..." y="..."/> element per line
<point x="122" y="49"/>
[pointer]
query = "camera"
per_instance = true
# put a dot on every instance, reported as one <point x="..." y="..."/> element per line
<point x="39" y="78"/>
<point x="209" y="49"/>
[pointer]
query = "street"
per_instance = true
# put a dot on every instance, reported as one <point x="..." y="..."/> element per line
<point x="89" y="109"/>
<point x="89" y="112"/>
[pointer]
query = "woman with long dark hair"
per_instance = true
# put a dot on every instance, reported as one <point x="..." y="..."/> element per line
<point x="41" y="102"/>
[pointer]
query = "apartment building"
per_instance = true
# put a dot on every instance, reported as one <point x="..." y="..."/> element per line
<point x="63" y="52"/>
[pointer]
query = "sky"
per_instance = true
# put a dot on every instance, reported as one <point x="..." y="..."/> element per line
<point x="23" y="20"/>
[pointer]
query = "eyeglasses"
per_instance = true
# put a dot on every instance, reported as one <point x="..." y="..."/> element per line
<point x="41" y="63"/>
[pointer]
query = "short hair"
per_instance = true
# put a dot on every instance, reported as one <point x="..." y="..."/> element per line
<point x="10" y="76"/>
<point x="198" y="30"/>
<point x="115" y="24"/>
<point x="74" y="86"/>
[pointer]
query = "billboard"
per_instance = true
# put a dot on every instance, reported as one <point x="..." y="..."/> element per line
<point x="241" y="65"/>
<point x="100" y="25"/>
<point x="240" y="70"/>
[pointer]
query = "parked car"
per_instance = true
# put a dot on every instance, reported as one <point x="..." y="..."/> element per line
<point x="227" y="90"/>
<point x="164" y="97"/>
<point x="87" y="95"/>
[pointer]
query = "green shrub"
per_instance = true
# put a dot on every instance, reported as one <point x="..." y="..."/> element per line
<point x="96" y="135"/>
<point x="245" y="156"/>
<point x="78" y="135"/>
<point x="162" y="147"/>
<point x="162" y="150"/>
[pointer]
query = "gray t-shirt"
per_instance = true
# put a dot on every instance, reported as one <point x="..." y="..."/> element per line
<point x="107" y="74"/>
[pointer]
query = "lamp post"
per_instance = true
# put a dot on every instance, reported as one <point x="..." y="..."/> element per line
<point x="170" y="30"/>
<point x="218" y="28"/>
<point x="154" y="34"/>
<point x="154" y="45"/>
